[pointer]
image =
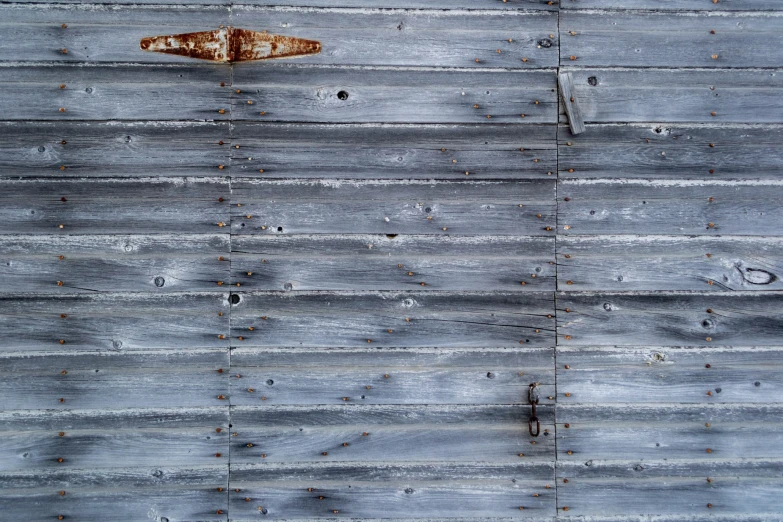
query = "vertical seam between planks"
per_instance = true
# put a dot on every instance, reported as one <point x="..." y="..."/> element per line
<point x="557" y="231"/>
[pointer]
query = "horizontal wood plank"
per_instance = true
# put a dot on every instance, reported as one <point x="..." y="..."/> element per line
<point x="151" y="379"/>
<point x="114" y="92"/>
<point x="621" y="206"/>
<point x="634" y="433"/>
<point x="661" y="39"/>
<point x="106" y="494"/>
<point x="370" y="151"/>
<point x="674" y="152"/>
<point x="737" y="375"/>
<point x="87" y="442"/>
<point x="675" y="5"/>
<point x="675" y="319"/>
<point x="392" y="491"/>
<point x="607" y="263"/>
<point x="678" y="95"/>
<point x="389" y="434"/>
<point x="390" y="376"/>
<point x="380" y="262"/>
<point x="386" y="207"/>
<point x="413" y="319"/>
<point x="114" y="206"/>
<point x="136" y="263"/>
<point x="545" y="5"/>
<point x="420" y="37"/>
<point x="110" y="321"/>
<point x="117" y="149"/>
<point x="302" y="93"/>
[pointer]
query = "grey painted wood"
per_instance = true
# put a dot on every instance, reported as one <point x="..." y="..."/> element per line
<point x="691" y="95"/>
<point x="669" y="263"/>
<point x="669" y="319"/>
<point x="675" y="5"/>
<point x="97" y="32"/>
<point x="634" y="433"/>
<point x="392" y="207"/>
<point x="161" y="493"/>
<point x="569" y="97"/>
<point x="116" y="149"/>
<point x="726" y="151"/>
<point x="674" y="468"/>
<point x="151" y="379"/>
<point x="416" y="319"/>
<point x="136" y="263"/>
<point x="707" y="207"/>
<point x="694" y="497"/>
<point x="497" y="38"/>
<point x="114" y="92"/>
<point x="159" y="476"/>
<point x="114" y="206"/>
<point x="655" y="375"/>
<point x="397" y="491"/>
<point x="660" y="39"/>
<point x="302" y="93"/>
<point x="373" y="151"/>
<point x="380" y="262"/>
<point x="390" y="376"/>
<point x="349" y="37"/>
<point x="394" y="434"/>
<point x="547" y="5"/>
<point x="93" y="444"/>
<point x="113" y="321"/>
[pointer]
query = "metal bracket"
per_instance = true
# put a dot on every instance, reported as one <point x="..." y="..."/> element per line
<point x="229" y="44"/>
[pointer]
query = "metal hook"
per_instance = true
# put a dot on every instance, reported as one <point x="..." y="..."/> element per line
<point x="533" y="398"/>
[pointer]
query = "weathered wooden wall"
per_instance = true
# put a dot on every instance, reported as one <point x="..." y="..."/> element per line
<point x="320" y="288"/>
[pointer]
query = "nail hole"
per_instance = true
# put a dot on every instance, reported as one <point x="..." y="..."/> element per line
<point x="270" y="382"/>
<point x="592" y="81"/>
<point x="490" y="375"/>
<point x="159" y="281"/>
<point x="343" y="95"/>
<point x="235" y="298"/>
<point x="279" y="229"/>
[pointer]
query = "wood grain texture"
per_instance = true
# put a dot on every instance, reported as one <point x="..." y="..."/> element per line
<point x="675" y="5"/>
<point x="98" y="32"/>
<point x="707" y="207"/>
<point x="162" y="493"/>
<point x="634" y="433"/>
<point x="738" y="375"/>
<point x="143" y="438"/>
<point x="117" y="149"/>
<point x="678" y="95"/>
<point x="380" y="262"/>
<point x="148" y="379"/>
<point x="743" y="319"/>
<point x="455" y="434"/>
<point x="114" y="92"/>
<point x="397" y="491"/>
<point x="302" y="93"/>
<point x="135" y="263"/>
<point x="602" y="263"/>
<point x="399" y="151"/>
<point x="416" y="319"/>
<point x="727" y="151"/>
<point x="387" y="207"/>
<point x="570" y="103"/>
<point x="390" y="37"/>
<point x="114" y="206"/>
<point x="390" y="376"/>
<point x="545" y="5"/>
<point x="661" y="39"/>
<point x="113" y="321"/>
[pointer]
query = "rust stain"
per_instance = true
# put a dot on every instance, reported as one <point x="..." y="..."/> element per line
<point x="230" y="44"/>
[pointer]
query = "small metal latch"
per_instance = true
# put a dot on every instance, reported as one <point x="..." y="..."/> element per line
<point x="230" y="44"/>
<point x="532" y="398"/>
